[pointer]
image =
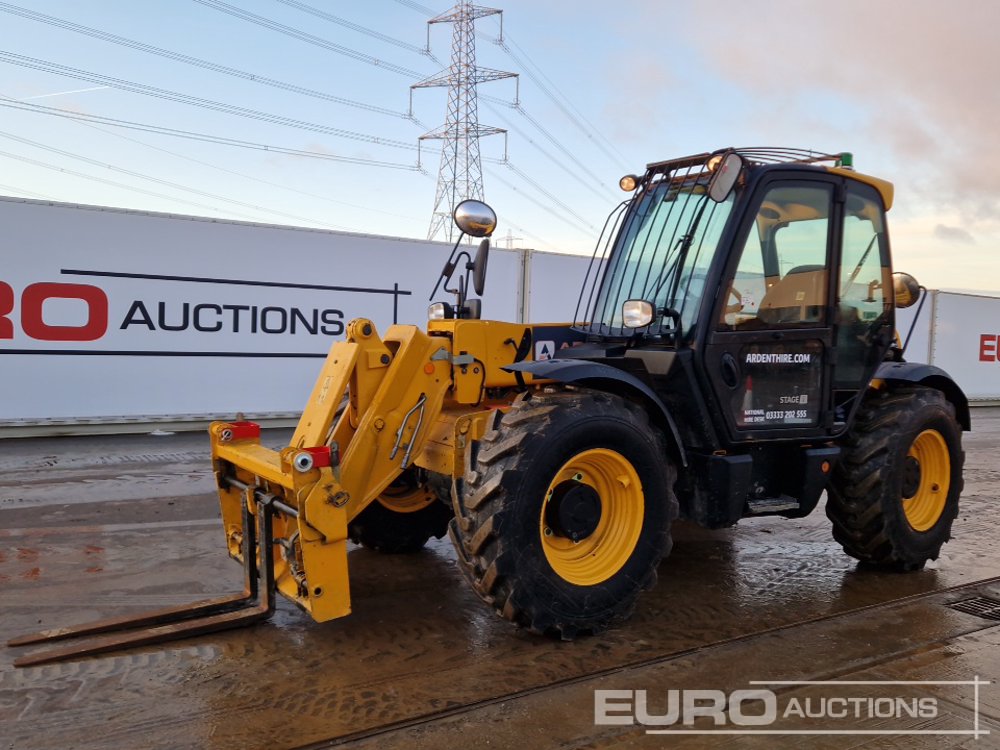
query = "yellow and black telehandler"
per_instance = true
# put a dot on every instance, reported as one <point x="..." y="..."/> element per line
<point x="733" y="354"/>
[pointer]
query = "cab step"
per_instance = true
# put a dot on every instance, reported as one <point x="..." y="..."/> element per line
<point x="772" y="505"/>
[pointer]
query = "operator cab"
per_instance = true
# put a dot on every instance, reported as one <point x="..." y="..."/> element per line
<point x="750" y="288"/>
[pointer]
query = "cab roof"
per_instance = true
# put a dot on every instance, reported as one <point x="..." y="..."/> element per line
<point x="839" y="163"/>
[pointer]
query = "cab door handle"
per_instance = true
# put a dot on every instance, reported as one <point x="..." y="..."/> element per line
<point x="730" y="371"/>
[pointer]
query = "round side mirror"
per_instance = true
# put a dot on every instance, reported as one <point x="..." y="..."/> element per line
<point x="479" y="267"/>
<point x="905" y="289"/>
<point x="475" y="218"/>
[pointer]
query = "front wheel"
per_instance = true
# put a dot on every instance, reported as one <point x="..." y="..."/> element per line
<point x="565" y="511"/>
<point x="895" y="493"/>
<point x="403" y="518"/>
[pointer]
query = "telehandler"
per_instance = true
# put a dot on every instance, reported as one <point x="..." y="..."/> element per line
<point x="733" y="354"/>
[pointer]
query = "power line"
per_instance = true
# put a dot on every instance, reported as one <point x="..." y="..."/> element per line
<point x="555" y="214"/>
<point x="254" y="114"/>
<point x="577" y="119"/>
<point x="357" y="27"/>
<point x="417" y="7"/>
<point x="29" y="193"/>
<point x="194" y="136"/>
<point x="188" y="60"/>
<point x="520" y="173"/>
<point x="239" y="174"/>
<point x="64" y="93"/>
<point x="562" y="165"/>
<point x="551" y="138"/>
<point x="254" y="179"/>
<point x="83" y="121"/>
<point x="157" y="180"/>
<point x="308" y="38"/>
<point x="113" y="183"/>
<point x="140" y="88"/>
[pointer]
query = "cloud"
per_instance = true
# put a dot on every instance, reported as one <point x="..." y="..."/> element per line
<point x="638" y="85"/>
<point x="912" y="80"/>
<point x="953" y="234"/>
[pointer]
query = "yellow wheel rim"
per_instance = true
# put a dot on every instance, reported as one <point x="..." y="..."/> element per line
<point x="925" y="503"/>
<point x="402" y="496"/>
<point x="600" y="554"/>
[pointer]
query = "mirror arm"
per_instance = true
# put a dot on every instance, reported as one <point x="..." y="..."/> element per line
<point x="465" y="280"/>
<point x="449" y="267"/>
<point x="454" y="265"/>
<point x="460" y="307"/>
<point x="916" y="317"/>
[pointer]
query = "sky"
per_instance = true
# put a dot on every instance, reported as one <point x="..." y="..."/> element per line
<point x="321" y="102"/>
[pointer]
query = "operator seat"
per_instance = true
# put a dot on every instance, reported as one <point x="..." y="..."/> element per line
<point x="798" y="297"/>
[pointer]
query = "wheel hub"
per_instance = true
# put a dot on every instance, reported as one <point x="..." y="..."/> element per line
<point x="407" y="494"/>
<point x="592" y="516"/>
<point x="574" y="510"/>
<point x="926" y="480"/>
<point x="911" y="476"/>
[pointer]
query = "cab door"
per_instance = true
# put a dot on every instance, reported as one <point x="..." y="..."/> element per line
<point x="864" y="314"/>
<point x="769" y="351"/>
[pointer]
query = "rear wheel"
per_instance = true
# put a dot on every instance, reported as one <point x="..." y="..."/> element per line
<point x="403" y="518"/>
<point x="565" y="511"/>
<point x="895" y="493"/>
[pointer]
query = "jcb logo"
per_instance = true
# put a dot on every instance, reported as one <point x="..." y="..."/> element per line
<point x="32" y="320"/>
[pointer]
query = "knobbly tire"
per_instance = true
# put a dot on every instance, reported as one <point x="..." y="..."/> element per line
<point x="402" y="519"/>
<point x="894" y="493"/>
<point x="564" y="511"/>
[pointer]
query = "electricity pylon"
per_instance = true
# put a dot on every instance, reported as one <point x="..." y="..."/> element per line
<point x="461" y="173"/>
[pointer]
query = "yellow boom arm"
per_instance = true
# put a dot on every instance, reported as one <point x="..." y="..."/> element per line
<point x="413" y="399"/>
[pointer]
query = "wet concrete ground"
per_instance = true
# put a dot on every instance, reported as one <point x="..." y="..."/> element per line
<point x="93" y="527"/>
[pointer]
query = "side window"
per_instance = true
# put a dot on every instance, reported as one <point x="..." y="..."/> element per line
<point x="781" y="279"/>
<point x="863" y="286"/>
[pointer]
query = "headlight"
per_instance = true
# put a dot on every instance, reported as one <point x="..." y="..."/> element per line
<point x="628" y="183"/>
<point x="637" y="313"/>
<point x="439" y="311"/>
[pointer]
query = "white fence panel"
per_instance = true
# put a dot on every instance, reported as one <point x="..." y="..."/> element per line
<point x="918" y="346"/>
<point x="966" y="342"/>
<point x="554" y="282"/>
<point x="110" y="314"/>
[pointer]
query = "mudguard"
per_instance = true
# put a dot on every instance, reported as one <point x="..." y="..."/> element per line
<point x="931" y="376"/>
<point x="605" y="378"/>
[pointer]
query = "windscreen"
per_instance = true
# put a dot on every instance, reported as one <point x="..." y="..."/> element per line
<point x="665" y="240"/>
